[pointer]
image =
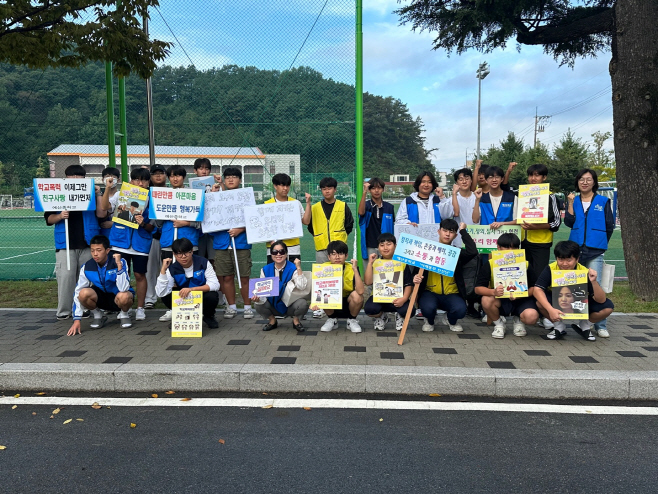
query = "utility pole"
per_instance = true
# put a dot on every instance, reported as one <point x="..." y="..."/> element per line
<point x="482" y="72"/>
<point x="539" y="124"/>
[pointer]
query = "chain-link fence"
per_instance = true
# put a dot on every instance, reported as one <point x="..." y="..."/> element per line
<point x="264" y="86"/>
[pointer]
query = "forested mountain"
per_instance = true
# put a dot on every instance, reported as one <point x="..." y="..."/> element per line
<point x="296" y="112"/>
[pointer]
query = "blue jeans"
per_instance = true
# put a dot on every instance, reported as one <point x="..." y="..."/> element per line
<point x="453" y="304"/>
<point x="597" y="265"/>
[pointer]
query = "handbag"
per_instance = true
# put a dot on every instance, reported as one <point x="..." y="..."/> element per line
<point x="292" y="293"/>
<point x="607" y="277"/>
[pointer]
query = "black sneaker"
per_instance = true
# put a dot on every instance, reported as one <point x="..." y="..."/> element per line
<point x="556" y="335"/>
<point x="586" y="334"/>
<point x="86" y="314"/>
<point x="63" y="318"/>
<point x="211" y="322"/>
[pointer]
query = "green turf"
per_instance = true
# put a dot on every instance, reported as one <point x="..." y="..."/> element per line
<point x="27" y="251"/>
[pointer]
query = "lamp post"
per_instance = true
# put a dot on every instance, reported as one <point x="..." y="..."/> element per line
<point x="482" y="72"/>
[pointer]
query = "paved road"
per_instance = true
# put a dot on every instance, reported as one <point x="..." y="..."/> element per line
<point x="322" y="450"/>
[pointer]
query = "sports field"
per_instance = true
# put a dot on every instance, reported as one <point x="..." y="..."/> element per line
<point x="27" y="247"/>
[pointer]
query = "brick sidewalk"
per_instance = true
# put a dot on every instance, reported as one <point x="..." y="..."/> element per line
<point x="34" y="336"/>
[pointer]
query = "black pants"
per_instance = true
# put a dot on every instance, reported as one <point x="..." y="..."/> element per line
<point x="210" y="301"/>
<point x="538" y="257"/>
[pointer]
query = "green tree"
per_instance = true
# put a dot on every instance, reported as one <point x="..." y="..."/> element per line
<point x="43" y="170"/>
<point x="44" y="33"/>
<point x="570" y="156"/>
<point x="602" y="160"/>
<point x="568" y="29"/>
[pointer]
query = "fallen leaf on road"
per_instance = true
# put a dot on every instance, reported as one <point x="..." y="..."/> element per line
<point x="307" y="408"/>
<point x="264" y="393"/>
<point x="96" y="406"/>
<point x="185" y="399"/>
<point x="34" y="413"/>
<point x="381" y="420"/>
<point x="52" y="416"/>
<point x="17" y="396"/>
<point x="56" y="411"/>
<point x="133" y="425"/>
<point x="3" y="447"/>
<point x="14" y="407"/>
<point x="221" y="441"/>
<point x="41" y="393"/>
<point x="170" y="392"/>
<point x="80" y="420"/>
<point x="435" y="394"/>
<point x="268" y="406"/>
<point x="154" y="395"/>
<point x="67" y="421"/>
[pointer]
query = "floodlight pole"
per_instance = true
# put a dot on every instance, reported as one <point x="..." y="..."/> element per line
<point x="149" y="104"/>
<point x="110" y="115"/>
<point x="481" y="73"/>
<point x="359" y="120"/>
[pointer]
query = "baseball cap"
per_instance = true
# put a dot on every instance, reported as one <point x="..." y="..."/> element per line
<point x="158" y="168"/>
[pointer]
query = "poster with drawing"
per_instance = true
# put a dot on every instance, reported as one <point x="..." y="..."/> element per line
<point x="569" y="293"/>
<point x="273" y="221"/>
<point x="533" y="203"/>
<point x="225" y="209"/>
<point x="202" y="183"/>
<point x="327" y="289"/>
<point x="186" y="315"/>
<point x="131" y="203"/>
<point x="264" y="287"/>
<point x="387" y="280"/>
<point x="510" y="272"/>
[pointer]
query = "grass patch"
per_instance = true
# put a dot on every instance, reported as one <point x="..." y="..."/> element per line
<point x="43" y="295"/>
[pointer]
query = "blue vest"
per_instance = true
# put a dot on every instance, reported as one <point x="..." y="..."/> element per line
<point x="412" y="209"/>
<point x="589" y="228"/>
<point x="286" y="276"/>
<point x="125" y="237"/>
<point x="107" y="284"/>
<point x="505" y="209"/>
<point x="167" y="238"/>
<point x="222" y="241"/>
<point x="387" y="224"/>
<point x="90" y="226"/>
<point x="199" y="265"/>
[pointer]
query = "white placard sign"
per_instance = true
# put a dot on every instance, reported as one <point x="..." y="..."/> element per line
<point x="225" y="209"/>
<point x="274" y="221"/>
<point x="59" y="194"/>
<point x="176" y="204"/>
<point x="430" y="231"/>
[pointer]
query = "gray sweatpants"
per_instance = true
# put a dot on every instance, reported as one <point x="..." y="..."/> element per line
<point x="298" y="308"/>
<point x="153" y="271"/>
<point x="68" y="279"/>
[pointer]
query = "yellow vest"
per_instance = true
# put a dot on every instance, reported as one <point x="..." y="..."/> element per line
<point x="327" y="231"/>
<point x="579" y="267"/>
<point x="543" y="236"/>
<point x="290" y="242"/>
<point x="441" y="285"/>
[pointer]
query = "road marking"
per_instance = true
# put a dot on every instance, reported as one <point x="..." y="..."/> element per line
<point x="331" y="403"/>
<point x="28" y="254"/>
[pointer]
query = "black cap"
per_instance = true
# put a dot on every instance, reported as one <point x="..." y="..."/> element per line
<point x="158" y="168"/>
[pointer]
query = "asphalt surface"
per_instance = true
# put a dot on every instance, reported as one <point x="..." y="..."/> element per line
<point x="322" y="450"/>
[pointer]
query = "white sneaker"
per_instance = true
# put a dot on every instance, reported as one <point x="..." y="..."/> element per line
<point x="519" y="327"/>
<point x="380" y="322"/>
<point x="166" y="317"/>
<point x="419" y="315"/>
<point x="318" y="314"/>
<point x="443" y="319"/>
<point x="484" y="319"/>
<point x="603" y="333"/>
<point x="547" y="323"/>
<point x="354" y="326"/>
<point x="457" y="328"/>
<point x="427" y="327"/>
<point x="499" y="328"/>
<point x="125" y="319"/>
<point x="329" y="325"/>
<point x="230" y="313"/>
<point x="140" y="315"/>
<point x="248" y="313"/>
<point x="399" y="322"/>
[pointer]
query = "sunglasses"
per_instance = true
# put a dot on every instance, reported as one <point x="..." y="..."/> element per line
<point x="279" y="252"/>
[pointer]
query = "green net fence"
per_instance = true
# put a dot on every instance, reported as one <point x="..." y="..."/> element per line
<point x="267" y="87"/>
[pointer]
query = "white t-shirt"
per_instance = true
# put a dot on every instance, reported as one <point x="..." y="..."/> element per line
<point x="586" y="206"/>
<point x="466" y="206"/>
<point x="293" y="250"/>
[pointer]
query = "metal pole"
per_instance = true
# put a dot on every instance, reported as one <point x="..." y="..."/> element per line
<point x="535" y="142"/>
<point x="359" y="118"/>
<point x="125" y="173"/>
<point x="110" y="115"/>
<point x="479" y="97"/>
<point x="149" y="106"/>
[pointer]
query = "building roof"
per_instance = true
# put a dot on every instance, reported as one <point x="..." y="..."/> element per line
<point x="160" y="151"/>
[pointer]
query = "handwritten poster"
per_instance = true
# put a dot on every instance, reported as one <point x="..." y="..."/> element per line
<point x="427" y="254"/>
<point x="186" y="315"/>
<point x="533" y="203"/>
<point x="264" y="287"/>
<point x="273" y="221"/>
<point x="486" y="239"/>
<point x="569" y="293"/>
<point x="225" y="209"/>
<point x="59" y="194"/>
<point x="132" y="202"/>
<point x="430" y="231"/>
<point x="176" y="204"/>
<point x="387" y="280"/>
<point x="202" y="183"/>
<point x="510" y="272"/>
<point x="327" y="289"/>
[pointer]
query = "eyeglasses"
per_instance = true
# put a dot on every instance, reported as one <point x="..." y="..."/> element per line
<point x="333" y="254"/>
<point x="279" y="252"/>
<point x="585" y="181"/>
<point x="183" y="254"/>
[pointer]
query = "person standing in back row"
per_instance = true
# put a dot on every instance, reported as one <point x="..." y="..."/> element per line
<point x="376" y="216"/>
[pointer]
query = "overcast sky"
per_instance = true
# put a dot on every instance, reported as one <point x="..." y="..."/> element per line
<point x="441" y="90"/>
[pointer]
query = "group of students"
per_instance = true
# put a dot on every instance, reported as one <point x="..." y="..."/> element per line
<point x="175" y="255"/>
